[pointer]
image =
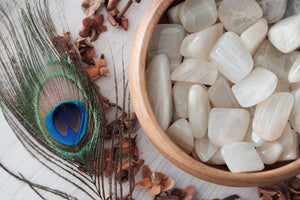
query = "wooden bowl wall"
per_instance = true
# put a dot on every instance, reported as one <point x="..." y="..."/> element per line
<point x="149" y="123"/>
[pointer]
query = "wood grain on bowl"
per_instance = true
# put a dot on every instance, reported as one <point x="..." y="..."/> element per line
<point x="147" y="119"/>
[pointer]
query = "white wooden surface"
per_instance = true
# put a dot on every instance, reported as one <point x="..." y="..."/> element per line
<point x="16" y="158"/>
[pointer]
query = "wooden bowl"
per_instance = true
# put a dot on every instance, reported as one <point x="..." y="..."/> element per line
<point x="140" y="100"/>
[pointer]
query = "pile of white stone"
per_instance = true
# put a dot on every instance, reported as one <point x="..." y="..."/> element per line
<point x="223" y="80"/>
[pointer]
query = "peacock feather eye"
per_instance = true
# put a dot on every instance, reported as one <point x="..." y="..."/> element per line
<point x="67" y="122"/>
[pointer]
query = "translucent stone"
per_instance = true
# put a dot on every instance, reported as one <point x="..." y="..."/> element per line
<point x="217" y="159"/>
<point x="227" y="125"/>
<point x="205" y="149"/>
<point x="271" y="115"/>
<point x="167" y="39"/>
<point x="237" y="16"/>
<point x="290" y="144"/>
<point x="199" y="44"/>
<point x="267" y="56"/>
<point x="195" y="71"/>
<point x="198" y="107"/>
<point x="256" y="87"/>
<point x="221" y="95"/>
<point x="285" y="35"/>
<point x="241" y="157"/>
<point x="253" y="36"/>
<point x="273" y="9"/>
<point x="292" y="8"/>
<point x="232" y="57"/>
<point x="180" y="97"/>
<point x="295" y="114"/>
<point x="270" y="152"/>
<point x="180" y="132"/>
<point x="294" y="74"/>
<point x="173" y="14"/>
<point x="160" y="89"/>
<point x="256" y="140"/>
<point x="196" y="15"/>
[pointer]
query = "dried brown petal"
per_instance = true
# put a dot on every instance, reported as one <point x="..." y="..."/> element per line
<point x="93" y="72"/>
<point x="89" y="7"/>
<point x="154" y="190"/>
<point x="266" y="197"/>
<point x="104" y="71"/>
<point x="231" y="197"/>
<point x="295" y="183"/>
<point x="111" y="5"/>
<point x="146" y="183"/>
<point x="266" y="191"/>
<point x="93" y="27"/>
<point x="100" y="62"/>
<point x="125" y="148"/>
<point x="66" y="38"/>
<point x="167" y="184"/>
<point x="115" y="21"/>
<point x="123" y="172"/>
<point x="87" y="50"/>
<point x="146" y="172"/>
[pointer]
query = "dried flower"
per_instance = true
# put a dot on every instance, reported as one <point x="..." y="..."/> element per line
<point x="155" y="181"/>
<point x="89" y="7"/>
<point x="86" y="50"/>
<point x="125" y="148"/>
<point x="99" y="69"/>
<point x="271" y="192"/>
<point x="186" y="194"/>
<point x="123" y="172"/>
<point x="93" y="27"/>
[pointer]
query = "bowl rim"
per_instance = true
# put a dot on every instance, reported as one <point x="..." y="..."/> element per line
<point x="153" y="130"/>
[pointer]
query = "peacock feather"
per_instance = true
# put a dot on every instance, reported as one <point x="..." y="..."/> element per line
<point x="50" y="102"/>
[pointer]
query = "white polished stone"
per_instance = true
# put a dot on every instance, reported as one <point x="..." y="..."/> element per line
<point x="253" y="36"/>
<point x="285" y="35"/>
<point x="217" y="159"/>
<point x="227" y="125"/>
<point x="256" y="140"/>
<point x="160" y="89"/>
<point x="273" y="9"/>
<point x="173" y="14"/>
<point x="221" y="95"/>
<point x="256" y="87"/>
<point x="290" y="144"/>
<point x="205" y="149"/>
<point x="295" y="114"/>
<point x="181" y="133"/>
<point x="195" y="71"/>
<point x="267" y="56"/>
<point x="237" y="16"/>
<point x="180" y="98"/>
<point x="198" y="110"/>
<point x="231" y="57"/>
<point x="199" y="44"/>
<point x="241" y="157"/>
<point x="270" y="152"/>
<point x="294" y="74"/>
<point x="196" y="15"/>
<point x="271" y="115"/>
<point x="167" y="39"/>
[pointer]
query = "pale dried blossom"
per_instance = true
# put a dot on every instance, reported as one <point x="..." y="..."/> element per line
<point x="90" y="7"/>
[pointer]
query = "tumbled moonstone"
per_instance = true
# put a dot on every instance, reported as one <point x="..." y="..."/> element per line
<point x="180" y="97"/>
<point x="295" y="114"/>
<point x="232" y="57"/>
<point x="221" y="95"/>
<point x="273" y="9"/>
<point x="205" y="149"/>
<point x="255" y="35"/>
<point x="196" y="15"/>
<point x="237" y="16"/>
<point x="199" y="44"/>
<point x="241" y="157"/>
<point x="256" y="87"/>
<point x="181" y="133"/>
<point x="294" y="74"/>
<point x="195" y="71"/>
<point x="199" y="107"/>
<point x="160" y="89"/>
<point x="227" y="125"/>
<point x="290" y="144"/>
<point x="217" y="159"/>
<point x="173" y="14"/>
<point x="270" y="152"/>
<point x="285" y="35"/>
<point x="271" y="115"/>
<point x="167" y="39"/>
<point x="256" y="140"/>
